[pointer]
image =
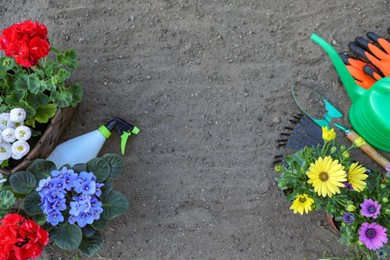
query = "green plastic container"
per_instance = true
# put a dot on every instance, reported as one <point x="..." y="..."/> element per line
<point x="370" y="110"/>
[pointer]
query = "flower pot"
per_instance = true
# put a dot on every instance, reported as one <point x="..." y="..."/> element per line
<point x="48" y="140"/>
<point x="333" y="223"/>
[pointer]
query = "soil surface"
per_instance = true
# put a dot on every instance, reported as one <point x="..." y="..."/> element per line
<point x="209" y="85"/>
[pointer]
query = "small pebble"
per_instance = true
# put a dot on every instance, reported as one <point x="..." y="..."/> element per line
<point x="276" y="119"/>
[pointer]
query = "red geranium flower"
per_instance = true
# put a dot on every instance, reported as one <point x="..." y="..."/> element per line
<point x="21" y="238"/>
<point x="26" y="42"/>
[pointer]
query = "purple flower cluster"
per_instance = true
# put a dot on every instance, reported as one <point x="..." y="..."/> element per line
<point x="81" y="190"/>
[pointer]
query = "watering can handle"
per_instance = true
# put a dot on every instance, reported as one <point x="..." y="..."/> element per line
<point x="368" y="149"/>
<point x="353" y="90"/>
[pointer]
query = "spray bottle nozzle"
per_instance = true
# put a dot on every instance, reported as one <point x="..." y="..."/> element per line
<point x="124" y="130"/>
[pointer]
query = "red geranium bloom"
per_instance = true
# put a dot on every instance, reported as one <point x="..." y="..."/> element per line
<point x="21" y="238"/>
<point x="25" y="42"/>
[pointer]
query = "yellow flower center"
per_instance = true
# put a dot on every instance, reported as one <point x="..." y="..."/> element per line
<point x="324" y="176"/>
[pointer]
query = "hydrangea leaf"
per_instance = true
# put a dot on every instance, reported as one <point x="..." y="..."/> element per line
<point x="61" y="99"/>
<point x="100" y="168"/>
<point x="114" y="205"/>
<point x="88" y="231"/>
<point x="100" y="223"/>
<point x="7" y="199"/>
<point x="68" y="237"/>
<point x="108" y="186"/>
<point x="34" y="84"/>
<point x="31" y="203"/>
<point x="116" y="163"/>
<point x="44" y="113"/>
<point x="41" y="169"/>
<point x="76" y="92"/>
<point x="79" y="167"/>
<point x="40" y="219"/>
<point x="22" y="182"/>
<point x="91" y="245"/>
<point x="68" y="58"/>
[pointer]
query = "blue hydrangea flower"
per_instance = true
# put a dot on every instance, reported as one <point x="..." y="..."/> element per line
<point x="98" y="189"/>
<point x="43" y="184"/>
<point x="54" y="217"/>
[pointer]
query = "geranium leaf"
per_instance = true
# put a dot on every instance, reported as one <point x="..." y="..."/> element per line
<point x="15" y="97"/>
<point x="91" y="245"/>
<point x="61" y="99"/>
<point x="3" y="72"/>
<point x="100" y="168"/>
<point x="114" y="204"/>
<point x="41" y="169"/>
<point x="31" y="203"/>
<point x="34" y="84"/>
<point x="76" y="92"/>
<point x="68" y="237"/>
<point x="68" y="58"/>
<point x="44" y="113"/>
<point x="22" y="182"/>
<point x="7" y="199"/>
<point x="37" y="100"/>
<point x="7" y="63"/>
<point x="21" y="82"/>
<point x="116" y="162"/>
<point x="30" y="111"/>
<point x="63" y="74"/>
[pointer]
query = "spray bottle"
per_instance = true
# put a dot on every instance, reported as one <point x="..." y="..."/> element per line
<point x="85" y="147"/>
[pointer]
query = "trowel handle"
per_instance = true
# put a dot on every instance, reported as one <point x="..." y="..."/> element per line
<point x="368" y="149"/>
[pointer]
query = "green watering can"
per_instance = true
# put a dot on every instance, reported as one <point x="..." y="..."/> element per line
<point x="370" y="110"/>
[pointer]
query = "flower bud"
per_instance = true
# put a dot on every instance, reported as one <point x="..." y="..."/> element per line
<point x="385" y="200"/>
<point x="351" y="208"/>
<point x="387" y="211"/>
<point x="278" y="168"/>
<point x="333" y="149"/>
<point x="345" y="154"/>
<point x="383" y="186"/>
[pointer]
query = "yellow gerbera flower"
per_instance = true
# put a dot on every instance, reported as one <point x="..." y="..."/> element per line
<point x="356" y="176"/>
<point x="302" y="203"/>
<point x="326" y="176"/>
<point x="328" y="135"/>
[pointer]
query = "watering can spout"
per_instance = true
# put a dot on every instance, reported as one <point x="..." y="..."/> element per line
<point x="353" y="90"/>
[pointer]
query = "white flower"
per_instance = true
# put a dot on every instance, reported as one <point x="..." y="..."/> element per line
<point x="2" y="179"/>
<point x="19" y="149"/>
<point x="8" y="135"/>
<point x="5" y="121"/>
<point x="17" y="115"/>
<point x="5" y="151"/>
<point x="22" y="133"/>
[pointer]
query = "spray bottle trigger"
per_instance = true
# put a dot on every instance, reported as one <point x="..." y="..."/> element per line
<point x="124" y="137"/>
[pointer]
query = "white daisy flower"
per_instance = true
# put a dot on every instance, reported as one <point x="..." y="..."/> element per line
<point x="19" y="149"/>
<point x="22" y="133"/>
<point x="17" y="115"/>
<point x="8" y="135"/>
<point x="5" y="121"/>
<point x="5" y="151"/>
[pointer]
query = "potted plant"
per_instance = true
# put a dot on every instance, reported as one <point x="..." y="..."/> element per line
<point x="73" y="204"/>
<point x="354" y="199"/>
<point x="33" y="77"/>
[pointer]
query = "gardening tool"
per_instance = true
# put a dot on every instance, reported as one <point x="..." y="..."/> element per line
<point x="369" y="112"/>
<point x="85" y="147"/>
<point x="304" y="132"/>
<point x="333" y="113"/>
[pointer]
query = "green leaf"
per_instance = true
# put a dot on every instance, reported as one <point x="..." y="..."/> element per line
<point x="21" y="82"/>
<point x="116" y="163"/>
<point x="41" y="169"/>
<point x="100" y="168"/>
<point x="79" y="167"/>
<point x="22" y="182"/>
<point x="37" y="100"/>
<point x="40" y="219"/>
<point x="88" y="231"/>
<point x="3" y="73"/>
<point x="34" y="84"/>
<point x="68" y="237"/>
<point x="114" y="204"/>
<point x="68" y="58"/>
<point x="7" y="63"/>
<point x="108" y="186"/>
<point x="15" y="97"/>
<point x="100" y="223"/>
<point x="63" y="74"/>
<point x="76" y="92"/>
<point x="91" y="245"/>
<point x="30" y="111"/>
<point x="44" y="113"/>
<point x="61" y="99"/>
<point x="31" y="203"/>
<point x="7" y="199"/>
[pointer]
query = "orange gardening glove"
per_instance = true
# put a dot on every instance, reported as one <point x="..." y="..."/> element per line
<point x="365" y="75"/>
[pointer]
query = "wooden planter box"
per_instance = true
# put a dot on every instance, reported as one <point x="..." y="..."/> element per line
<point x="48" y="141"/>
